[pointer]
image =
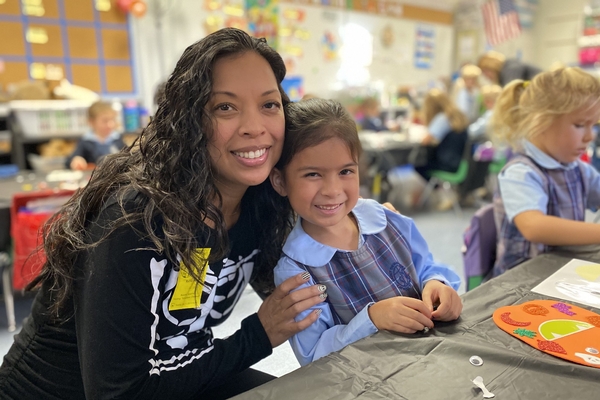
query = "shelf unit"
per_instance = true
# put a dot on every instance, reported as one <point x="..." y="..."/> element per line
<point x="23" y="145"/>
<point x="5" y="139"/>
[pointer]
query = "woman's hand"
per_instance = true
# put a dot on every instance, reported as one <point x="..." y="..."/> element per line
<point x="401" y="314"/>
<point x="278" y="311"/>
<point x="449" y="304"/>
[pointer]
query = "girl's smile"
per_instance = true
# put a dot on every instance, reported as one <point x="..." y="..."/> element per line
<point x="321" y="183"/>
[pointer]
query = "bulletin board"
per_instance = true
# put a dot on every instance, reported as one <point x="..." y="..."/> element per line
<point x="85" y="41"/>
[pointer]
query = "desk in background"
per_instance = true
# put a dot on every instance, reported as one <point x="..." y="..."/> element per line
<point x="383" y="151"/>
<point x="436" y="365"/>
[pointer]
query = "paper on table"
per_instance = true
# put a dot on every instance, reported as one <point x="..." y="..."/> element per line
<point x="578" y="281"/>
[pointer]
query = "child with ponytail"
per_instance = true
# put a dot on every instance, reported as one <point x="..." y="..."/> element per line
<point x="545" y="188"/>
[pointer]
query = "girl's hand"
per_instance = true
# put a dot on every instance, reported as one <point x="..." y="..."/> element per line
<point x="78" y="163"/>
<point x="428" y="140"/>
<point x="401" y="314"/>
<point x="449" y="304"/>
<point x="278" y="311"/>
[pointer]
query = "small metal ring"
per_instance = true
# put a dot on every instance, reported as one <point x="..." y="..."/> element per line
<point x="476" y="361"/>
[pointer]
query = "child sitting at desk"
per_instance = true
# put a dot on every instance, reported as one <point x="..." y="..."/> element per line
<point x="467" y="96"/>
<point x="374" y="264"/>
<point x="446" y="131"/>
<point x="489" y="94"/>
<point x="102" y="139"/>
<point x="545" y="189"/>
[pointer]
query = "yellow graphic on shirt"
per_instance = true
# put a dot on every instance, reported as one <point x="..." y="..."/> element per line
<point x="188" y="291"/>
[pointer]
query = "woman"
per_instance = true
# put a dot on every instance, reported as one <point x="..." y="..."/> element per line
<point x="160" y="245"/>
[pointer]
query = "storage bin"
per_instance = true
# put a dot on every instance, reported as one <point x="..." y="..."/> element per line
<point x="25" y="230"/>
<point x="50" y="118"/>
<point x="46" y="164"/>
<point x="29" y="258"/>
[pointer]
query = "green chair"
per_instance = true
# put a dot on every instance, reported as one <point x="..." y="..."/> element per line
<point x="496" y="166"/>
<point x="448" y="181"/>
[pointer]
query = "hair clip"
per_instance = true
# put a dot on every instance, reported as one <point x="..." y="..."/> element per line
<point x="262" y="40"/>
<point x="525" y="84"/>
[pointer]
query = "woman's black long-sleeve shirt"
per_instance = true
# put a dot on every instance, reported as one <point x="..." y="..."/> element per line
<point x="125" y="337"/>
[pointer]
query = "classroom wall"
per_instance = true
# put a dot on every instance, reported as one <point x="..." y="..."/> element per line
<point x="558" y="25"/>
<point x="552" y="37"/>
<point x="158" y="47"/>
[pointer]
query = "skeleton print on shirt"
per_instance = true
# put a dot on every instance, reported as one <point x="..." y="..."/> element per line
<point x="189" y="330"/>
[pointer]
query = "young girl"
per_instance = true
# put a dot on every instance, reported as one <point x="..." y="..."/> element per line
<point x="446" y="127"/>
<point x="545" y="189"/>
<point x="373" y="263"/>
<point x="160" y="245"/>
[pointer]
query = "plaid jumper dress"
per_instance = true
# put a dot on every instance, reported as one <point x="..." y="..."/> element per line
<point x="380" y="268"/>
<point x="567" y="194"/>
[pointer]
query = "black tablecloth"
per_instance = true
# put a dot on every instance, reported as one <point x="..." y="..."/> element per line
<point x="436" y="365"/>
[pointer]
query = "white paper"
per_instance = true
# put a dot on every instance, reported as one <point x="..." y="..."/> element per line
<point x="578" y="281"/>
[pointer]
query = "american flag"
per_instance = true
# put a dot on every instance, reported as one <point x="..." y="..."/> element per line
<point x="501" y="21"/>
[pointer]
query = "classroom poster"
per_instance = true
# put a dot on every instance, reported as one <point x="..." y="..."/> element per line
<point x="424" y="46"/>
<point x="293" y="86"/>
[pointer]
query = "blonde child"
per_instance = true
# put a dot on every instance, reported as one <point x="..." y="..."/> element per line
<point x="544" y="189"/>
<point x="374" y="264"/>
<point x="489" y="94"/>
<point x="467" y="97"/>
<point x="100" y="140"/>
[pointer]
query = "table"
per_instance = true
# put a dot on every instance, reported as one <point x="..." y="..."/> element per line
<point x="435" y="365"/>
<point x="390" y="149"/>
<point x="383" y="151"/>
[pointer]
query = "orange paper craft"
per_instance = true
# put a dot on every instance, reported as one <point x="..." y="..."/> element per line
<point x="554" y="327"/>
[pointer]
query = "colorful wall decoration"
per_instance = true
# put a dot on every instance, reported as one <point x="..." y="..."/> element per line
<point x="293" y="87"/>
<point x="424" y="46"/>
<point x="263" y="19"/>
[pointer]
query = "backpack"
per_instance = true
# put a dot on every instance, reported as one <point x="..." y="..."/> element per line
<point x="479" y="247"/>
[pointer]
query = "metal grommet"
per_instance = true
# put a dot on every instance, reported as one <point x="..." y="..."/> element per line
<point x="592" y="350"/>
<point x="476" y="361"/>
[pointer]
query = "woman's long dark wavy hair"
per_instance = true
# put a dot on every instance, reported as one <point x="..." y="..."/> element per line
<point x="170" y="167"/>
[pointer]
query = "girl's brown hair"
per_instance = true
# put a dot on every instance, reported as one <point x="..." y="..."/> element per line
<point x="311" y="122"/>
